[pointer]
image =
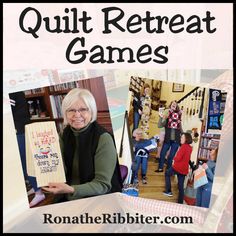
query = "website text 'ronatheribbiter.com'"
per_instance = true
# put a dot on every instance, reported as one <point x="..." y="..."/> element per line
<point x="115" y="218"/>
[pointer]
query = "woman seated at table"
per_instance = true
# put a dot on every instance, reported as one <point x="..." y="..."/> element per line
<point x="88" y="150"/>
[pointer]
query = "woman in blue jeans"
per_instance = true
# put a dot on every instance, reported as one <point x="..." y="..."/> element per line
<point x="141" y="151"/>
<point x="204" y="192"/>
<point x="173" y="129"/>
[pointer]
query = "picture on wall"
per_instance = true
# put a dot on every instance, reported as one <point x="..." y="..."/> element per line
<point x="178" y="87"/>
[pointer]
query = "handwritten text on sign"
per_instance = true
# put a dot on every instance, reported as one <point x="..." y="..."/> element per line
<point x="44" y="159"/>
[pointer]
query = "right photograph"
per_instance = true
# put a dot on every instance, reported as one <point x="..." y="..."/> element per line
<point x="174" y="133"/>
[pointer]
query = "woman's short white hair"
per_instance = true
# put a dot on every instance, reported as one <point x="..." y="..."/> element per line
<point x="73" y="96"/>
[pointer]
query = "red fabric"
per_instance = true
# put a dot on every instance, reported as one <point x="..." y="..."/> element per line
<point x="182" y="158"/>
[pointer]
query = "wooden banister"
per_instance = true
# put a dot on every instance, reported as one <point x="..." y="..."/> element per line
<point x="188" y="94"/>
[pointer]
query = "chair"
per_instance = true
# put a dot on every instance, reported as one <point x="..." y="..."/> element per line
<point x="123" y="172"/>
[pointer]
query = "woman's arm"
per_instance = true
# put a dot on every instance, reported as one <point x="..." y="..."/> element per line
<point x="161" y="122"/>
<point x="105" y="161"/>
<point x="179" y="154"/>
<point x="210" y="172"/>
<point x="162" y="119"/>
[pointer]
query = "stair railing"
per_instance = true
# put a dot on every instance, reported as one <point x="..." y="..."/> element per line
<point x="192" y="103"/>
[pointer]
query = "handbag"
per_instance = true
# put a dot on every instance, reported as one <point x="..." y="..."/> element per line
<point x="200" y="177"/>
<point x="189" y="192"/>
<point x="131" y="190"/>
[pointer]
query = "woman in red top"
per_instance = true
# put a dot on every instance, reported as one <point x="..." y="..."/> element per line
<point x="180" y="166"/>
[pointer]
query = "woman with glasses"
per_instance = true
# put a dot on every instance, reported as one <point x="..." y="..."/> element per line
<point x="89" y="152"/>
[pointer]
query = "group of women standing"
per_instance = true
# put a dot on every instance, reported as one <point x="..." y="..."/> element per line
<point x="176" y="145"/>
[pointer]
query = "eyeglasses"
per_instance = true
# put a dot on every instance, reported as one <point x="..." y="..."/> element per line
<point x="82" y="111"/>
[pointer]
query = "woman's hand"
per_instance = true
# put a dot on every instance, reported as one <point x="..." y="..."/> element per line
<point x="58" y="188"/>
<point x="140" y="112"/>
<point x="163" y="114"/>
<point x="204" y="166"/>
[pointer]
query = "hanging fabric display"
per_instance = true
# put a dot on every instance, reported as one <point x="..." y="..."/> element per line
<point x="146" y="104"/>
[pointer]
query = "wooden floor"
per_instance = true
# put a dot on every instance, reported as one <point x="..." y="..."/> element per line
<point x="156" y="183"/>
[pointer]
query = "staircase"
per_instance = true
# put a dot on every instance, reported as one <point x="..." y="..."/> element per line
<point x="192" y="107"/>
<point x="156" y="183"/>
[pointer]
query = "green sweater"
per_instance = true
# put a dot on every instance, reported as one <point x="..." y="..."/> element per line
<point x="104" y="163"/>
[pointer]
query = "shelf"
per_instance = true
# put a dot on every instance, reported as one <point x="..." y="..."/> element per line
<point x="40" y="118"/>
<point x="50" y="101"/>
<point x="35" y="95"/>
<point x="207" y="137"/>
<point x="59" y="92"/>
<point x="203" y="136"/>
<point x="208" y="148"/>
<point x="202" y="159"/>
<point x="57" y="119"/>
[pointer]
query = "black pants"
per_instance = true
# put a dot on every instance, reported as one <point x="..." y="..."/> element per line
<point x="181" y="178"/>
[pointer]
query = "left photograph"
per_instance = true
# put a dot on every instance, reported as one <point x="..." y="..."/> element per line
<point x="66" y="142"/>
